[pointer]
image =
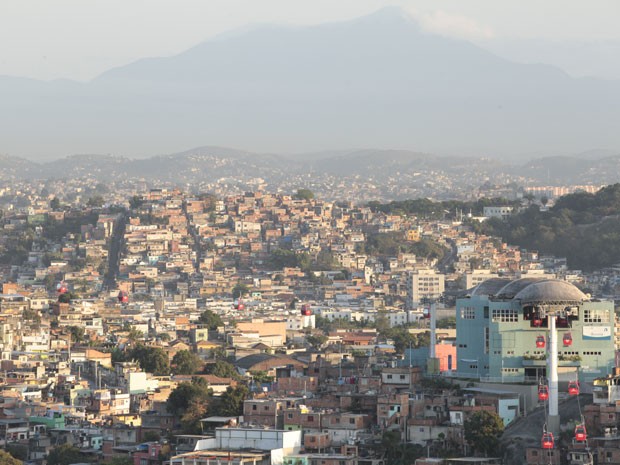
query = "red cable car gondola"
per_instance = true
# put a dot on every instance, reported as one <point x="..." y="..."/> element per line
<point x="540" y="342"/>
<point x="543" y="392"/>
<point x="580" y="433"/>
<point x="61" y="288"/>
<point x="573" y="388"/>
<point x="123" y="297"/>
<point x="567" y="339"/>
<point x="547" y="441"/>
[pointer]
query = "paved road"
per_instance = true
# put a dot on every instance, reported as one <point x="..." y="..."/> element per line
<point x="197" y="244"/>
<point x="448" y="260"/>
<point x="114" y="254"/>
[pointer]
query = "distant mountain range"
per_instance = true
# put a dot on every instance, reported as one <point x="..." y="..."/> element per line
<point x="377" y="81"/>
<point x="210" y="164"/>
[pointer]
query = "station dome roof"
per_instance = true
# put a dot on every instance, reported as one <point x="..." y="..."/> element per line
<point x="489" y="287"/>
<point x="532" y="291"/>
<point x="510" y="290"/>
<point x="551" y="291"/>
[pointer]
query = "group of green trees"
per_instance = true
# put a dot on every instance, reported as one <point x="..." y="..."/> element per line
<point x="304" y="194"/>
<point x="323" y="261"/>
<point x="429" y="209"/>
<point x="16" y="246"/>
<point x="583" y="227"/>
<point x="211" y="319"/>
<point x="392" y="243"/>
<point x="151" y="359"/>
<point x="191" y="401"/>
<point x="185" y="362"/>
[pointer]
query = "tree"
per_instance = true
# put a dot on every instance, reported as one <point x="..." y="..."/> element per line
<point x="95" y="201"/>
<point x="32" y="315"/>
<point x="403" y="339"/>
<point x="134" y="334"/>
<point x="221" y="369"/>
<point x="18" y="451"/>
<point x="218" y="353"/>
<point x="190" y="402"/>
<point x="179" y="398"/>
<point x="77" y="334"/>
<point x="382" y="323"/>
<point x="196" y="410"/>
<point x="55" y="204"/>
<point x="231" y="402"/>
<point x="316" y="340"/>
<point x="67" y="297"/>
<point x="64" y="454"/>
<point x="150" y="436"/>
<point x="281" y="258"/>
<point x="482" y="432"/>
<point x="239" y="290"/>
<point x="323" y="323"/>
<point x="8" y="459"/>
<point x="260" y="376"/>
<point x="135" y="201"/>
<point x="151" y="359"/>
<point x="449" y="322"/>
<point x="211" y="319"/>
<point x="304" y="194"/>
<point x="185" y="362"/>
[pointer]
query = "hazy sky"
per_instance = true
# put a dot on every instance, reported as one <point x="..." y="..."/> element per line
<point x="79" y="39"/>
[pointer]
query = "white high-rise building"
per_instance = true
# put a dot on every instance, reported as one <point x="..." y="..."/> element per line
<point x="424" y="284"/>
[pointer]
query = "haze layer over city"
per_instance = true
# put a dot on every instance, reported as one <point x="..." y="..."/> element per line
<point x="450" y="78"/>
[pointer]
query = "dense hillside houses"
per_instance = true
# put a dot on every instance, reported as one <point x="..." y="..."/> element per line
<point x="266" y="328"/>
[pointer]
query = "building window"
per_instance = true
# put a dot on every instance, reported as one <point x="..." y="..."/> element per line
<point x="468" y="313"/>
<point x="505" y="315"/>
<point x="486" y="339"/>
<point x="596" y="316"/>
<point x="254" y="407"/>
<point x="402" y="376"/>
<point x="389" y="376"/>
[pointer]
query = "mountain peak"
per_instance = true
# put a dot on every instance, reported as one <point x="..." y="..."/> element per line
<point x="390" y="13"/>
